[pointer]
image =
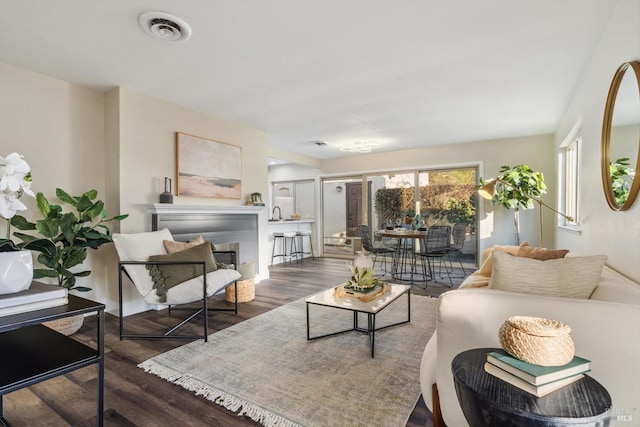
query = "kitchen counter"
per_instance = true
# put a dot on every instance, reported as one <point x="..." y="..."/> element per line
<point x="290" y="220"/>
<point x="291" y="224"/>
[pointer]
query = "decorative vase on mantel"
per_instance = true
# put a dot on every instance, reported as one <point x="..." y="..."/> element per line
<point x="167" y="195"/>
<point x="16" y="271"/>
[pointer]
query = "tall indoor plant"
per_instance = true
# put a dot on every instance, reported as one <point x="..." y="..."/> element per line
<point x="66" y="236"/>
<point x="517" y="187"/>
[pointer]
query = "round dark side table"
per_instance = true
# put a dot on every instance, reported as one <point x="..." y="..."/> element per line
<point x="490" y="401"/>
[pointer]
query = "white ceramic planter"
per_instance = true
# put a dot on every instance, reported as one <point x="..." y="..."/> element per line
<point x="16" y="271"/>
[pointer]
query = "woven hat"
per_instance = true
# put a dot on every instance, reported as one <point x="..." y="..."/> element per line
<point x="537" y="340"/>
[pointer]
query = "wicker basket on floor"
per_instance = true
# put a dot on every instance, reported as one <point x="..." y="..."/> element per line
<point x="246" y="291"/>
<point x="537" y="340"/>
<point x="66" y="325"/>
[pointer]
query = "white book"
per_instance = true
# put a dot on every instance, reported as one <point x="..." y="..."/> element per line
<point x="37" y="292"/>
<point x="537" y="391"/>
<point x="537" y="374"/>
<point x="31" y="306"/>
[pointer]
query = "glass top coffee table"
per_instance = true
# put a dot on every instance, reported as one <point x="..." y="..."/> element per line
<point x="326" y="298"/>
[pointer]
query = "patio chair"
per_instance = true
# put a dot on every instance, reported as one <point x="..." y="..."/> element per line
<point x="458" y="233"/>
<point x="195" y="269"/>
<point x="376" y="250"/>
<point x="435" y="246"/>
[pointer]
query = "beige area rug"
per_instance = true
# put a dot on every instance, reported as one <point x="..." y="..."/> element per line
<point x="266" y="369"/>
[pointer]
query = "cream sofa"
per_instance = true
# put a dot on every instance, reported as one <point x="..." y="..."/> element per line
<point x="605" y="329"/>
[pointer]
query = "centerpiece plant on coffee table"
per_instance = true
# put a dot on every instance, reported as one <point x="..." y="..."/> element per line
<point x="361" y="279"/>
<point x="66" y="236"/>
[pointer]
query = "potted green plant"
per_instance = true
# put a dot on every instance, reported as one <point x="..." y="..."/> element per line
<point x="66" y="236"/>
<point x="517" y="187"/>
<point x="256" y="199"/>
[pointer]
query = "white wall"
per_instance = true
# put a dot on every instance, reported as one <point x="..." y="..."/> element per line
<point x="121" y="144"/>
<point x="147" y="153"/>
<point x="603" y="231"/>
<point x="59" y="128"/>
<point x="146" y="147"/>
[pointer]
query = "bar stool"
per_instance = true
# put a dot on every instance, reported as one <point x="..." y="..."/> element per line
<point x="301" y="234"/>
<point x="284" y="237"/>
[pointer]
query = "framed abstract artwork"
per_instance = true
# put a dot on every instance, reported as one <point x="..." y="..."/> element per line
<point x="207" y="168"/>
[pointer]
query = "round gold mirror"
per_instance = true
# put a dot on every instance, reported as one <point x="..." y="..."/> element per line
<point x="621" y="138"/>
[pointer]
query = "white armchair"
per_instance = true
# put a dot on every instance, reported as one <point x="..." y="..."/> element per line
<point x="135" y="250"/>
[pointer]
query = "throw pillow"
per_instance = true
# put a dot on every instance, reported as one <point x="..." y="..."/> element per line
<point x="173" y="246"/>
<point x="165" y="276"/>
<point x="487" y="265"/>
<point x="541" y="254"/>
<point x="574" y="277"/>
<point x="246" y="271"/>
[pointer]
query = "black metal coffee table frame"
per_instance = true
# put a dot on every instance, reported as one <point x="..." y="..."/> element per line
<point x="367" y="308"/>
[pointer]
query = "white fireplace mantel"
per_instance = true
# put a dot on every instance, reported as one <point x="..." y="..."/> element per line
<point x="170" y="208"/>
<point x="245" y="225"/>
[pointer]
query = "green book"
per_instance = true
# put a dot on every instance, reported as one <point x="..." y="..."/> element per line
<point x="536" y="390"/>
<point x="537" y="374"/>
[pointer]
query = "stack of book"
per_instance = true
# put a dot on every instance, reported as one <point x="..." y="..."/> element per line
<point x="535" y="379"/>
<point x="38" y="296"/>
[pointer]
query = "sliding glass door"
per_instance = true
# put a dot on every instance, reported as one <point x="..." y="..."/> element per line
<point x="341" y="215"/>
<point x="391" y="199"/>
<point x="448" y="197"/>
<point x="442" y="197"/>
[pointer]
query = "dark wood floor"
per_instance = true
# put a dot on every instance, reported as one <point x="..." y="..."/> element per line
<point x="135" y="398"/>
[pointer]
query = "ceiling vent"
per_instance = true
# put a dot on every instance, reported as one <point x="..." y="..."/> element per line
<point x="164" y="26"/>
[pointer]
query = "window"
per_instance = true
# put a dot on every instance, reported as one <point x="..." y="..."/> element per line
<point x="294" y="197"/>
<point x="570" y="178"/>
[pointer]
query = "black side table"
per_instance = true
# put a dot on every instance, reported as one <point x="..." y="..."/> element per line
<point x="490" y="401"/>
<point x="31" y="352"/>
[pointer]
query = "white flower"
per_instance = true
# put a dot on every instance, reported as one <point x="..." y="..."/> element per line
<point x="15" y="180"/>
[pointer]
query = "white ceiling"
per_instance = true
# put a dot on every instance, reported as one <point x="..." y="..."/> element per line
<point x="401" y="73"/>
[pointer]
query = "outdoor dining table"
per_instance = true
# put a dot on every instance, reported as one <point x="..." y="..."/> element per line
<point x="405" y="265"/>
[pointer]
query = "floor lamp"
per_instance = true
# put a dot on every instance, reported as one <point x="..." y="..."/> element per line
<point x="489" y="189"/>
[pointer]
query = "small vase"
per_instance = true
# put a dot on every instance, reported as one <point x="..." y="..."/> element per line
<point x="416" y="222"/>
<point x="167" y="196"/>
<point x="16" y="271"/>
<point x="362" y="260"/>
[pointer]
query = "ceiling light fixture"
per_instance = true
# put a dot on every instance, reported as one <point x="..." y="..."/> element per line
<point x="360" y="147"/>
<point x="164" y="26"/>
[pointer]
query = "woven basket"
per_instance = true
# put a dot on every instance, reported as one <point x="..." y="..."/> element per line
<point x="537" y="340"/>
<point x="246" y="291"/>
<point x="66" y="325"/>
